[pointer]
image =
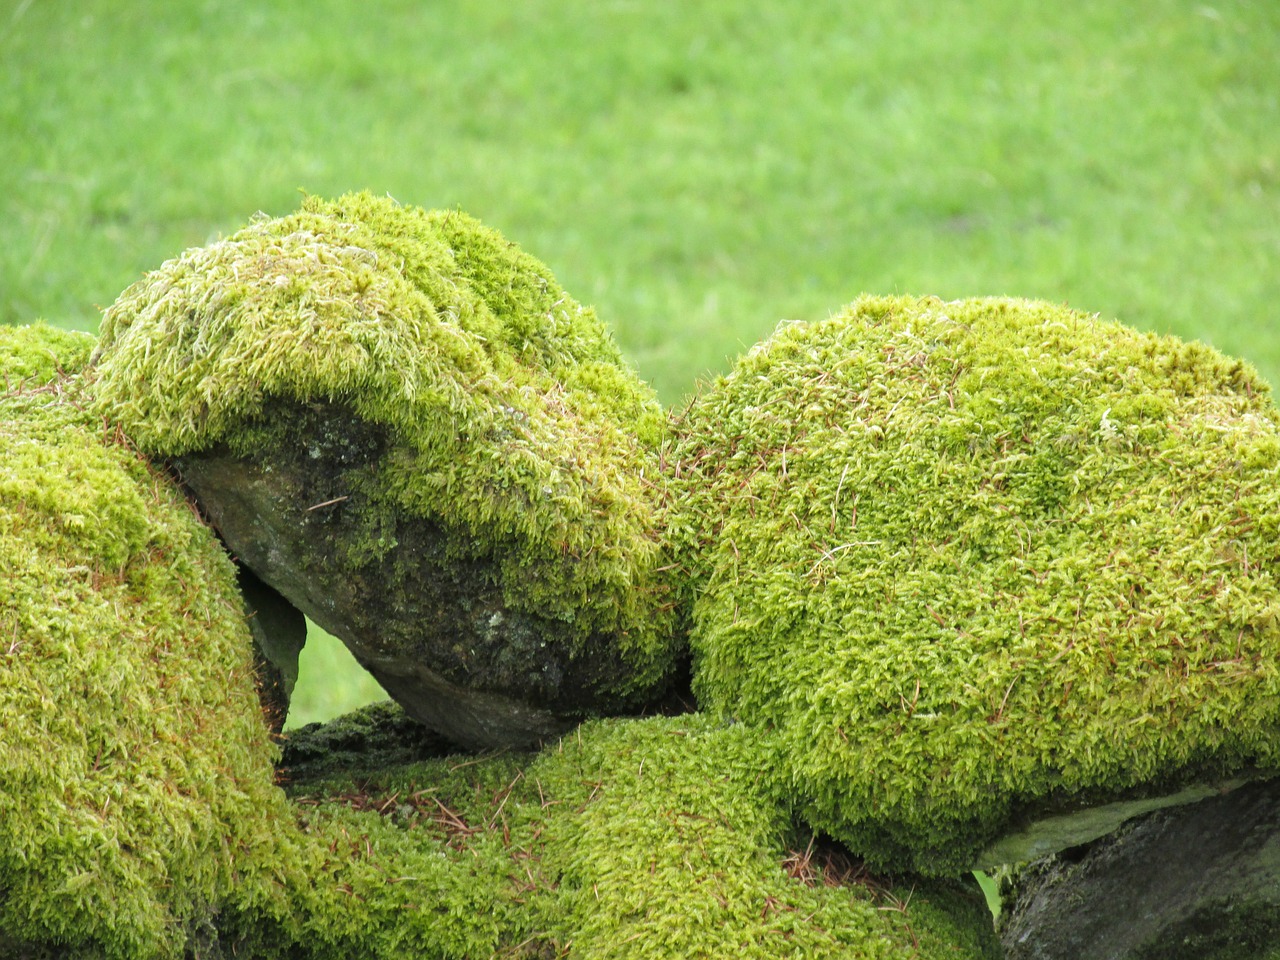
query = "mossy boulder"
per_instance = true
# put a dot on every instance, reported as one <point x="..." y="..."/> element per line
<point x="140" y="815"/>
<point x="654" y="838"/>
<point x="974" y="563"/>
<point x="373" y="738"/>
<point x="403" y="424"/>
<point x="134" y="764"/>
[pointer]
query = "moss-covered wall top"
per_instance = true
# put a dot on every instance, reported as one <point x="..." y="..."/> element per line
<point x="945" y="566"/>
<point x="140" y="815"/>
<point x="969" y="558"/>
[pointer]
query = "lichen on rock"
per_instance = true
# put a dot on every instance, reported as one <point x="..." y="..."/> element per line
<point x="402" y="422"/>
<point x="974" y="561"/>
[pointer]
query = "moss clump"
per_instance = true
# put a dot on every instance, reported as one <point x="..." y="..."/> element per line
<point x="669" y="842"/>
<point x="977" y="559"/>
<point x="516" y="428"/>
<point x="655" y="838"/>
<point x="36" y="353"/>
<point x="139" y="818"/>
<point x="134" y="761"/>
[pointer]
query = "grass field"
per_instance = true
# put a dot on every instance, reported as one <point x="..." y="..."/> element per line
<point x="697" y="171"/>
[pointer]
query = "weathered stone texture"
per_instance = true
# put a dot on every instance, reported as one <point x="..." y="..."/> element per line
<point x="1200" y="882"/>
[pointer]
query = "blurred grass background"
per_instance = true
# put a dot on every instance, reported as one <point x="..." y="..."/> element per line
<point x="697" y="171"/>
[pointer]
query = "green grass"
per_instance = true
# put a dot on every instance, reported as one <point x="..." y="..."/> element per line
<point x="330" y="682"/>
<point x="696" y="171"/>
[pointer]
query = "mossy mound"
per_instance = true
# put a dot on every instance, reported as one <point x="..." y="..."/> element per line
<point x="654" y="838"/>
<point x="434" y="409"/>
<point x="977" y="560"/>
<point x="139" y="815"/>
<point x="373" y="738"/>
<point x="36" y="353"/>
<point x="134" y="763"/>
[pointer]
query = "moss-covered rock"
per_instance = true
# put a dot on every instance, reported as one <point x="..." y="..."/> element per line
<point x="401" y="422"/>
<point x="134" y="765"/>
<point x="655" y="838"/>
<point x="976" y="561"/>
<point x="363" y="742"/>
<point x="140" y="818"/>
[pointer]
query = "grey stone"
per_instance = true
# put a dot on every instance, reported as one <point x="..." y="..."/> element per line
<point x="279" y="633"/>
<point x="1048" y="834"/>
<point x="1198" y="882"/>
<point x="426" y="619"/>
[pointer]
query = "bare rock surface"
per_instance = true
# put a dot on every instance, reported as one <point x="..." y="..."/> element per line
<point x="1200" y="882"/>
<point x="279" y="633"/>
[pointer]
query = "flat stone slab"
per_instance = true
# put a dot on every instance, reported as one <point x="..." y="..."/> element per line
<point x="1050" y="834"/>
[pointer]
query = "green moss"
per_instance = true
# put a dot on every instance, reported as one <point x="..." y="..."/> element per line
<point x="139" y="815"/>
<point x="37" y="353"/>
<point x="973" y="559"/>
<point x="669" y="842"/>
<point x="134" y="759"/>
<point x="516" y="427"/>
<point x="657" y="838"/>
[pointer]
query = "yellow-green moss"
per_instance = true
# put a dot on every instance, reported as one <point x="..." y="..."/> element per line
<point x="972" y="558"/>
<point x="517" y="428"/>
<point x="134" y="763"/>
<point x="657" y="838"/>
<point x="669" y="842"/>
<point x="139" y="818"/>
<point x="139" y="815"/>
<point x="37" y="352"/>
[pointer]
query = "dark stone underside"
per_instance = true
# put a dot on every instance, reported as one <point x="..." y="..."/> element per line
<point x="427" y="620"/>
<point x="279" y="633"/>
